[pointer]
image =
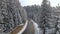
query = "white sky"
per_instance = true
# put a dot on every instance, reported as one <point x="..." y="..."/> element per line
<point x="38" y="2"/>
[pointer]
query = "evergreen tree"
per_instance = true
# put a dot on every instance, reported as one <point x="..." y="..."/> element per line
<point x="45" y="14"/>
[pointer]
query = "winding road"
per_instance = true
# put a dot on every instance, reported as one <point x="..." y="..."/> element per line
<point x="30" y="27"/>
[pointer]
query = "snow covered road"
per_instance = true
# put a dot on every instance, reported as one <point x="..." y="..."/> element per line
<point x="37" y="30"/>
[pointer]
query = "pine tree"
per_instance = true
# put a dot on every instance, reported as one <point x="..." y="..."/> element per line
<point x="45" y="14"/>
<point x="11" y="15"/>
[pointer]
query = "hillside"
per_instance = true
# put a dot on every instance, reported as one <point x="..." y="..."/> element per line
<point x="11" y="15"/>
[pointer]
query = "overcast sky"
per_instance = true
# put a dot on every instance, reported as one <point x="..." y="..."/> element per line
<point x="38" y="2"/>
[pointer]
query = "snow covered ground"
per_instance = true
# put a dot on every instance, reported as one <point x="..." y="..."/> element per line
<point x="37" y="30"/>
<point x="25" y="26"/>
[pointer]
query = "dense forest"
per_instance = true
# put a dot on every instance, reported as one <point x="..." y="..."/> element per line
<point x="13" y="14"/>
<point x="46" y="16"/>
